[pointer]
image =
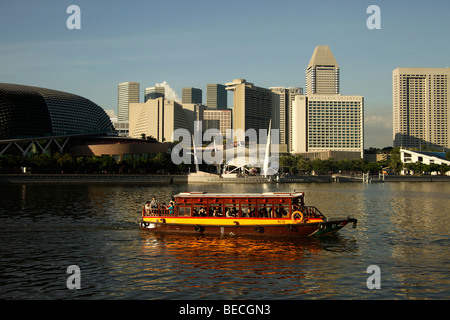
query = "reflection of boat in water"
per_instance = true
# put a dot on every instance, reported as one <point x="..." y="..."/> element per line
<point x="274" y="214"/>
<point x="223" y="251"/>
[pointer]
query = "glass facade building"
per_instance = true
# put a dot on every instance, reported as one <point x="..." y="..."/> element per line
<point x="28" y="112"/>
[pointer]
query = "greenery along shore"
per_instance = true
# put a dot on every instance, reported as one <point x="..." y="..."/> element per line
<point x="162" y="163"/>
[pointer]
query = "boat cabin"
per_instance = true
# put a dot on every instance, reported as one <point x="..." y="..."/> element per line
<point x="277" y="205"/>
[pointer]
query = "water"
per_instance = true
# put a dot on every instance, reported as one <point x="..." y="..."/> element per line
<point x="403" y="228"/>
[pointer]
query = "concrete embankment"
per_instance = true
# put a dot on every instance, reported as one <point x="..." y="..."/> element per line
<point x="169" y="179"/>
<point x="91" y="178"/>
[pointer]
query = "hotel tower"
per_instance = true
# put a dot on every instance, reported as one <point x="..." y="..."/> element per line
<point x="421" y="108"/>
<point x="325" y="123"/>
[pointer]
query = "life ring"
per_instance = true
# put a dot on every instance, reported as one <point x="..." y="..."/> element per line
<point x="297" y="217"/>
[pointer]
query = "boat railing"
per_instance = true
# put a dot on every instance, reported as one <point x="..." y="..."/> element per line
<point x="308" y="212"/>
<point x="157" y="212"/>
<point x="311" y="212"/>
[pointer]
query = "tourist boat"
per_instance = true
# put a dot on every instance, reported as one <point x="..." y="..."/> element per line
<point x="274" y="214"/>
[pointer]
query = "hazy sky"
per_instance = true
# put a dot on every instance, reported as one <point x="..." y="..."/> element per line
<point x="191" y="43"/>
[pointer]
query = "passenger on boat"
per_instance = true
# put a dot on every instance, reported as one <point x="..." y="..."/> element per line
<point x="216" y="212"/>
<point x="163" y="209"/>
<point x="147" y="207"/>
<point x="170" y="208"/>
<point x="154" y="205"/>
<point x="202" y="212"/>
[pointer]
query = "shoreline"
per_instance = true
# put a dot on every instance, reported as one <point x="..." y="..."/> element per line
<point x="203" y="178"/>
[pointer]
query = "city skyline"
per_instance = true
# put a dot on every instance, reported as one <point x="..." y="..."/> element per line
<point x="123" y="42"/>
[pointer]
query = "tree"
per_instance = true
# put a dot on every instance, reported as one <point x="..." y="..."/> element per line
<point x="444" y="168"/>
<point x="42" y="163"/>
<point x="64" y="162"/>
<point x="302" y="164"/>
<point x="395" y="164"/>
<point x="11" y="163"/>
<point x="287" y="161"/>
<point x="319" y="166"/>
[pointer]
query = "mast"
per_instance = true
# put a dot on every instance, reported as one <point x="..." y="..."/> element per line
<point x="266" y="157"/>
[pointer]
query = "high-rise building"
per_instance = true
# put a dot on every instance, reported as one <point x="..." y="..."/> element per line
<point x="220" y="119"/>
<point x="252" y="106"/>
<point x="128" y="92"/>
<point x="322" y="73"/>
<point x="324" y="123"/>
<point x="154" y="92"/>
<point x="421" y="111"/>
<point x="282" y="113"/>
<point x="216" y="96"/>
<point x="191" y="95"/>
<point x="193" y="112"/>
<point x="157" y="118"/>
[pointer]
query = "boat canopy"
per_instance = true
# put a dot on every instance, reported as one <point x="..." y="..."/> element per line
<point x="240" y="195"/>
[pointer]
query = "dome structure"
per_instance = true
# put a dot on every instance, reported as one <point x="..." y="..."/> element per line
<point x="29" y="112"/>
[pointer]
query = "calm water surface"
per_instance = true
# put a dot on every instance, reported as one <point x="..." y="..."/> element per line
<point x="403" y="228"/>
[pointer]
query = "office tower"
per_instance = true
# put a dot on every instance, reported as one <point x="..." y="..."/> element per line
<point x="128" y="92"/>
<point x="193" y="112"/>
<point x="322" y="73"/>
<point x="421" y="108"/>
<point x="154" y="92"/>
<point x="216" y="96"/>
<point x="158" y="118"/>
<point x="252" y="105"/>
<point x="219" y="119"/>
<point x="282" y="113"/>
<point x="191" y="95"/>
<point x="328" y="123"/>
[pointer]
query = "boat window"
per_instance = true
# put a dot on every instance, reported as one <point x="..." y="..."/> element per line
<point x="248" y="210"/>
<point x="184" y="211"/>
<point x="264" y="210"/>
<point x="199" y="210"/>
<point x="281" y="210"/>
<point x="215" y="210"/>
<point x="231" y="210"/>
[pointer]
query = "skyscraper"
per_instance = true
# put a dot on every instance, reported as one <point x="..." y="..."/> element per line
<point x="157" y="118"/>
<point x="154" y="92"/>
<point x="216" y="96"/>
<point x="252" y="105"/>
<point x="421" y="111"/>
<point x="322" y="73"/>
<point x="128" y="92"/>
<point x="324" y="121"/>
<point x="282" y="112"/>
<point x="191" y="95"/>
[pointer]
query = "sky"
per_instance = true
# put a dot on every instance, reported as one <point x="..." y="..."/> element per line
<point x="190" y="43"/>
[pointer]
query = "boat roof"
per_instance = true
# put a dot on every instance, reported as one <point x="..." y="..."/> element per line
<point x="239" y="195"/>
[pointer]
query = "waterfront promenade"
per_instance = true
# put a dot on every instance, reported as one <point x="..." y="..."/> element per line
<point x="193" y="178"/>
